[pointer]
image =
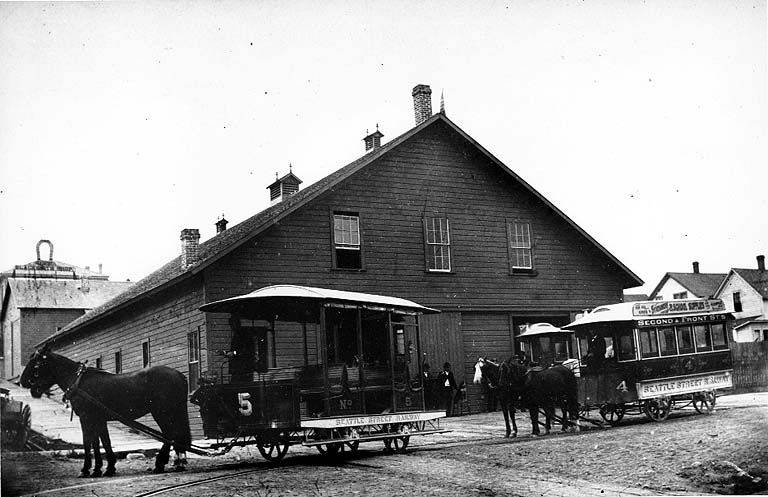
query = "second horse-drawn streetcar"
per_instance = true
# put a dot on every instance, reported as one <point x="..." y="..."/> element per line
<point x="649" y="357"/>
<point x="319" y="367"/>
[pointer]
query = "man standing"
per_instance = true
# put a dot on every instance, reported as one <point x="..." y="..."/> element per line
<point x="448" y="388"/>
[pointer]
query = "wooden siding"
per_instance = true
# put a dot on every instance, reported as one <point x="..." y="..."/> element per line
<point x="165" y="320"/>
<point x="436" y="171"/>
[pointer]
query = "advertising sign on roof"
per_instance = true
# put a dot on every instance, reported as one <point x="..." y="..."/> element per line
<point x="665" y="308"/>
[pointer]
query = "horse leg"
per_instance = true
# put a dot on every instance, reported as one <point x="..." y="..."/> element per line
<point x="111" y="458"/>
<point x="505" y="411"/>
<point x="162" y="458"/>
<point x="514" y="424"/>
<point x="96" y="454"/>
<point x="549" y="413"/>
<point x="86" y="471"/>
<point x="566" y="422"/>
<point x="180" y="461"/>
<point x="534" y="412"/>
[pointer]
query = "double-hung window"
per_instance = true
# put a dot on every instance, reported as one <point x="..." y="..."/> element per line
<point x="520" y="245"/>
<point x="438" y="244"/>
<point x="193" y="358"/>
<point x="346" y="241"/>
<point x="737" y="302"/>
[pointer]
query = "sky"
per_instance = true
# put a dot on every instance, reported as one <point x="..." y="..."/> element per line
<point x="646" y="122"/>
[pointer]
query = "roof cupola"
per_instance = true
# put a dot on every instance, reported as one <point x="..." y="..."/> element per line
<point x="284" y="187"/>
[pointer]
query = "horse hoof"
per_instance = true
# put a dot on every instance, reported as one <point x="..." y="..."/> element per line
<point x="180" y="468"/>
<point x="514" y="435"/>
<point x="506" y="436"/>
<point x="158" y="470"/>
<point x="109" y="472"/>
<point x="96" y="474"/>
<point x="84" y="474"/>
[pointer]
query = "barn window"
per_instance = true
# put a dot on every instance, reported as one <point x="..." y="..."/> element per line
<point x="520" y="246"/>
<point x="145" y="358"/>
<point x="193" y="358"/>
<point x="118" y="362"/>
<point x="98" y="362"/>
<point x="346" y="241"/>
<point x="680" y="296"/>
<point x="438" y="244"/>
<point x="737" y="302"/>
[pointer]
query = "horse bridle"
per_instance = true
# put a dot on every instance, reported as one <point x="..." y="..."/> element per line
<point x="490" y="384"/>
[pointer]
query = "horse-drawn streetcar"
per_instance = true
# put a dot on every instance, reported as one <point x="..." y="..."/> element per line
<point x="651" y="357"/>
<point x="323" y="368"/>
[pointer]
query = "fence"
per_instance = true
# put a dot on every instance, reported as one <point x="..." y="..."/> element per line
<point x="750" y="366"/>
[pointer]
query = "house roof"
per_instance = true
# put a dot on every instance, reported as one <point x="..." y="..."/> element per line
<point x="229" y="240"/>
<point x="741" y="322"/>
<point x="756" y="278"/>
<point x="702" y="285"/>
<point x="46" y="293"/>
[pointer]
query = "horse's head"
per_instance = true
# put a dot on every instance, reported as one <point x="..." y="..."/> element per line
<point x="486" y="371"/>
<point x="38" y="375"/>
<point x="479" y="371"/>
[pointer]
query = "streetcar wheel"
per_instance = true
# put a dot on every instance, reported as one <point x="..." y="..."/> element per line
<point x="274" y="449"/>
<point x="398" y="444"/>
<point x="329" y="449"/>
<point x="657" y="409"/>
<point x="25" y="425"/>
<point x="612" y="413"/>
<point x="704" y="402"/>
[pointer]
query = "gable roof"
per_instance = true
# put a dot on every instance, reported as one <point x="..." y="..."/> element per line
<point x="754" y="277"/>
<point x="229" y="240"/>
<point x="48" y="293"/>
<point x="702" y="285"/>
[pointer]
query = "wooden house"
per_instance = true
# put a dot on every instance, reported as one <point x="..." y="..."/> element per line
<point x="745" y="294"/>
<point x="687" y="286"/>
<point x="430" y="216"/>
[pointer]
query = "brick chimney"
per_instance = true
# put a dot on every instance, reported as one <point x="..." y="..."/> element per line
<point x="190" y="239"/>
<point x="373" y="141"/>
<point x="695" y="267"/>
<point x="422" y="103"/>
<point x="221" y="225"/>
<point x="761" y="262"/>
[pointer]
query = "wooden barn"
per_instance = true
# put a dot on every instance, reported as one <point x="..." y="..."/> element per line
<point x="430" y="216"/>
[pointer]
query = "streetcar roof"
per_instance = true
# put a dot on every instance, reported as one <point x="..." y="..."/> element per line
<point x="634" y="311"/>
<point x="542" y="329"/>
<point x="293" y="295"/>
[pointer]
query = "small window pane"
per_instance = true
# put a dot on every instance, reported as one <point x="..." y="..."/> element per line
<point x="667" y="344"/>
<point x="648" y="345"/>
<point x="703" y="337"/>
<point x="561" y="351"/>
<point x="685" y="339"/>
<point x="719" y="340"/>
<point x="626" y="347"/>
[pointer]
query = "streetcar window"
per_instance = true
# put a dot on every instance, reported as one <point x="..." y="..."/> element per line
<point x="667" y="343"/>
<point x="685" y="339"/>
<point x="649" y="346"/>
<point x="561" y="351"/>
<point x="583" y="347"/>
<point x="703" y="337"/>
<point x="719" y="339"/>
<point x="626" y="347"/>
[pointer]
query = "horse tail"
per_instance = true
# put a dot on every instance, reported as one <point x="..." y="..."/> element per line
<point x="184" y="436"/>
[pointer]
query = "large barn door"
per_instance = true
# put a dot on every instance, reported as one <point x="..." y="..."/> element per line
<point x="485" y="334"/>
<point x="441" y="342"/>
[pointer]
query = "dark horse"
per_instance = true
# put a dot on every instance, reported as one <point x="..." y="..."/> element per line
<point x="98" y="396"/>
<point x="534" y="389"/>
